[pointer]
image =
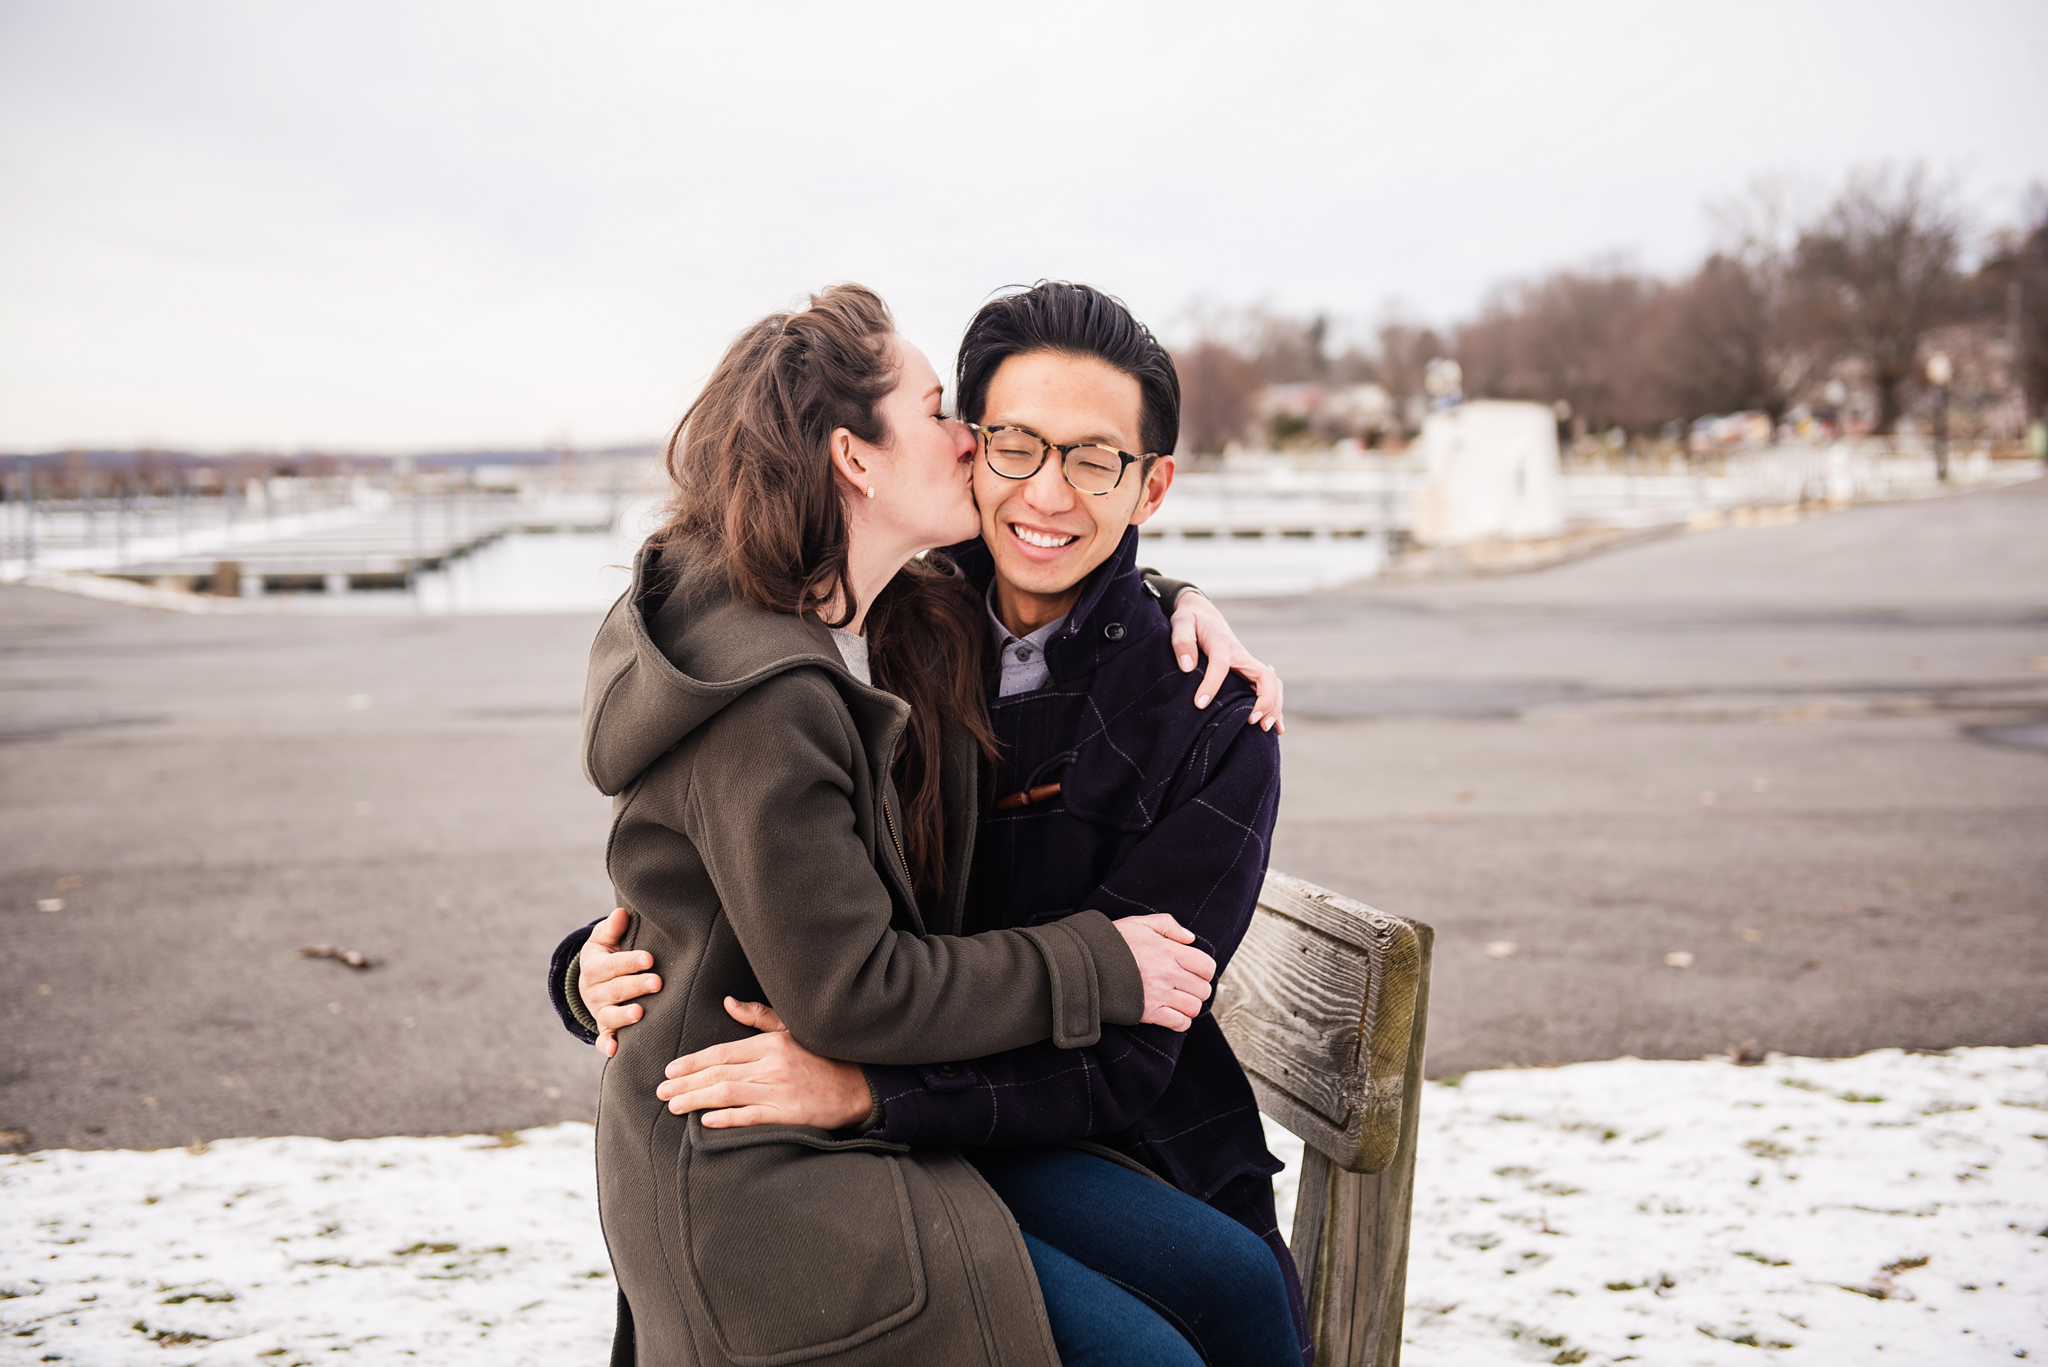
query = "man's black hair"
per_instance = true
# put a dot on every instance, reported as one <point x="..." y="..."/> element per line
<point x="1074" y="320"/>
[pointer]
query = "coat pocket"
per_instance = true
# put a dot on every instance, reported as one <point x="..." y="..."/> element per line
<point x="800" y="1245"/>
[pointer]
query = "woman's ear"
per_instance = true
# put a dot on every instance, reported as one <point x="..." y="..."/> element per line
<point x="849" y="460"/>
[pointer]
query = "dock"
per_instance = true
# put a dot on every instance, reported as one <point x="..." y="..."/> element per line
<point x="372" y="540"/>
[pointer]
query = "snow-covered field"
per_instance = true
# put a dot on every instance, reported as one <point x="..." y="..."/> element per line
<point x="1891" y="1208"/>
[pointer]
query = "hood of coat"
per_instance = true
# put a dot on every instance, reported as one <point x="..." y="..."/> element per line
<point x="678" y="647"/>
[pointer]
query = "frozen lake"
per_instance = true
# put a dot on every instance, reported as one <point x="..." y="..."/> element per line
<point x="587" y="571"/>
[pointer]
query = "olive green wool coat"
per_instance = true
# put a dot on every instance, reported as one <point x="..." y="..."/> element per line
<point x="751" y="837"/>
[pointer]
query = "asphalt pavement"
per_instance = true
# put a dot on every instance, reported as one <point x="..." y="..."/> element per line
<point x="1804" y="761"/>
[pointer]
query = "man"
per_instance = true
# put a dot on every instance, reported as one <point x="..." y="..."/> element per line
<point x="1110" y="792"/>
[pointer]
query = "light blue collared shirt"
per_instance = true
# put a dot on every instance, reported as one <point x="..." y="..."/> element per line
<point x="1023" y="661"/>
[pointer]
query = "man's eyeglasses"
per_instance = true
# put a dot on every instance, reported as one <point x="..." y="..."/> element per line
<point x="1019" y="453"/>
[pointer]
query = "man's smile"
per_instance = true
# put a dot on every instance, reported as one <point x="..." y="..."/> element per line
<point x="1042" y="539"/>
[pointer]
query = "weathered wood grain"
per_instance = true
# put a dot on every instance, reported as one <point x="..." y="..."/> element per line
<point x="1325" y="1004"/>
<point x="1319" y="1004"/>
<point x="1293" y="1013"/>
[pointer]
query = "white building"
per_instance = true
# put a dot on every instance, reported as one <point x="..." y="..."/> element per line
<point x="1492" y="471"/>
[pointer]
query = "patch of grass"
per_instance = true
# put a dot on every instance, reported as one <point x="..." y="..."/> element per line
<point x="1944" y="1107"/>
<point x="168" y="1338"/>
<point x="1454" y="1080"/>
<point x="1905" y="1264"/>
<point x="1765" y="1148"/>
<point x="1660" y="1286"/>
<point x="1558" y="1189"/>
<point x="209" y="1297"/>
<point x="423" y="1248"/>
<point x="1761" y="1258"/>
<point x="1801" y="1083"/>
<point x="1747" y="1339"/>
<point x="1860" y="1099"/>
<point x="1512" y="1171"/>
<point x="1569" y="1355"/>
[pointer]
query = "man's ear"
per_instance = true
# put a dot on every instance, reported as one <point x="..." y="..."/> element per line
<point x="1157" y="481"/>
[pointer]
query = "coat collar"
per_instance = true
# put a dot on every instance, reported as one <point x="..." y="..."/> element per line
<point x="1114" y="612"/>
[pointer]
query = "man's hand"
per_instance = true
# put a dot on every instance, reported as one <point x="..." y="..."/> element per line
<point x="768" y="1079"/>
<point x="1199" y="626"/>
<point x="607" y="978"/>
<point x="1176" y="974"/>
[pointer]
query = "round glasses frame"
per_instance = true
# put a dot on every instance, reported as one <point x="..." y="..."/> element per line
<point x="987" y="436"/>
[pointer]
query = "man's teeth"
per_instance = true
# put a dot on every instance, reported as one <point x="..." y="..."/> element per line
<point x="1031" y="538"/>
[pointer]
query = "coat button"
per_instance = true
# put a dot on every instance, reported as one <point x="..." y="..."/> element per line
<point x="1114" y="631"/>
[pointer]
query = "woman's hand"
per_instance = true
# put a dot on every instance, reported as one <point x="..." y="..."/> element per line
<point x="1199" y="625"/>
<point x="608" y="977"/>
<point x="1176" y="974"/>
<point x="769" y="1079"/>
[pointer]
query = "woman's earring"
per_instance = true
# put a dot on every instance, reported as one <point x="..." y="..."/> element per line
<point x="871" y="491"/>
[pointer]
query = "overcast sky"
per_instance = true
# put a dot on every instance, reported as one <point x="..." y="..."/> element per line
<point x="401" y="226"/>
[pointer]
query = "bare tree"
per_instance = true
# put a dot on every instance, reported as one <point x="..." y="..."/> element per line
<point x="2010" y="288"/>
<point x="1286" y="350"/>
<point x="1877" y="269"/>
<point x="1738" y="339"/>
<point x="1403" y="349"/>
<point x="1578" y="335"/>
<point x="1740" y="333"/>
<point x="1219" y="395"/>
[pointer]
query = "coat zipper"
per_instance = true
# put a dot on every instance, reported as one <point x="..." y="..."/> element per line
<point x="891" y="820"/>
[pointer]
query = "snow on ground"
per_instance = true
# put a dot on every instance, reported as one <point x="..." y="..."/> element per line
<point x="1883" y="1209"/>
<point x="1891" y="1208"/>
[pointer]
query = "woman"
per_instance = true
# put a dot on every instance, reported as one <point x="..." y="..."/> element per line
<point x="786" y="706"/>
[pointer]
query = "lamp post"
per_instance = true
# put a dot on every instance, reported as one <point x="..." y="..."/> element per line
<point x="1939" y="373"/>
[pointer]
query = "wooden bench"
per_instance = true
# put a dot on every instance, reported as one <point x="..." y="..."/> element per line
<point x="1324" y="1005"/>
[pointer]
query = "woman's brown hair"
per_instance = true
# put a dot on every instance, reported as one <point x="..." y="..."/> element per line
<point x="755" y="487"/>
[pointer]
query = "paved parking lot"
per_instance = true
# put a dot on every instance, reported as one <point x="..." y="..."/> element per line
<point x="1793" y="757"/>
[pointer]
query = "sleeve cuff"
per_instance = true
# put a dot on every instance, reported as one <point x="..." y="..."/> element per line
<point x="878" y="1114"/>
<point x="1166" y="590"/>
<point x="1122" y="990"/>
<point x="564" y="968"/>
<point x="571" y="972"/>
<point x="1093" y="976"/>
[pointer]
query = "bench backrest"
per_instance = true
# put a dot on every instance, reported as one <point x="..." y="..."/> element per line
<point x="1325" y="1004"/>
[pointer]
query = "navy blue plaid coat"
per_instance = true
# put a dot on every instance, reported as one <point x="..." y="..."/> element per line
<point x="1162" y="808"/>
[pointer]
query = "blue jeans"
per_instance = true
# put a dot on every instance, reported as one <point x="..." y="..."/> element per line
<point x="1137" y="1274"/>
